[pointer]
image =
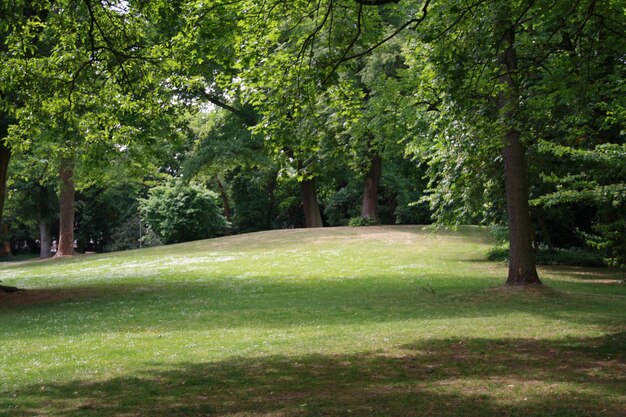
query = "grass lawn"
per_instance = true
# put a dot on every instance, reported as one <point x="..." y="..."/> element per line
<point x="377" y="321"/>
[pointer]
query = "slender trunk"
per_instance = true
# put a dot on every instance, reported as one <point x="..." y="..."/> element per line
<point x="226" y="203"/>
<point x="370" y="188"/>
<point x="312" y="215"/>
<point x="270" y="189"/>
<point x="392" y="202"/>
<point x="45" y="249"/>
<point x="5" y="157"/>
<point x="66" y="212"/>
<point x="522" y="269"/>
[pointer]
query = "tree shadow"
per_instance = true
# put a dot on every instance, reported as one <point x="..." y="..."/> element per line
<point x="474" y="377"/>
<point x="25" y="298"/>
<point x="586" y="274"/>
<point x="269" y="304"/>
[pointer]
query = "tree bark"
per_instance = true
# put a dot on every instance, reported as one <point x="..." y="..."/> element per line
<point x="5" y="157"/>
<point x="226" y="203"/>
<point x="5" y="252"/>
<point x="66" y="212"/>
<point x="312" y="215"/>
<point x="370" y="188"/>
<point x="270" y="188"/>
<point x="45" y="248"/>
<point x="522" y="269"/>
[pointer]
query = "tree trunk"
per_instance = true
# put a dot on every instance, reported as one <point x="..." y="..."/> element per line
<point x="5" y="252"/>
<point x="522" y="269"/>
<point x="45" y="249"/>
<point x="226" y="203"/>
<point x="312" y="215"/>
<point x="5" y="157"/>
<point x="270" y="188"/>
<point x="66" y="212"/>
<point x="392" y="202"/>
<point x="370" y="189"/>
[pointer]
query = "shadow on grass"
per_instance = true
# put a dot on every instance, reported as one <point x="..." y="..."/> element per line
<point x="475" y="377"/>
<point x="262" y="304"/>
<point x="34" y="297"/>
<point x="602" y="274"/>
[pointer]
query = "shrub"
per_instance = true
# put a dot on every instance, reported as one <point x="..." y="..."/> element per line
<point x="499" y="232"/>
<point x="180" y="212"/>
<point x="126" y="236"/>
<point x="555" y="256"/>
<point x="342" y="205"/>
<point x="363" y="221"/>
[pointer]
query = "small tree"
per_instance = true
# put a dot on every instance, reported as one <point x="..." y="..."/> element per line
<point x="180" y="212"/>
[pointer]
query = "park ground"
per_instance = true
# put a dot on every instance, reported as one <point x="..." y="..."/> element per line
<point x="376" y="321"/>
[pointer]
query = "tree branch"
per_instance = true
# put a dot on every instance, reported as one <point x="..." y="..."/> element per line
<point x="395" y="33"/>
<point x="247" y="118"/>
<point x="375" y="2"/>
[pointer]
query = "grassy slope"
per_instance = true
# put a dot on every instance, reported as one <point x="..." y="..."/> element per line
<point x="392" y="321"/>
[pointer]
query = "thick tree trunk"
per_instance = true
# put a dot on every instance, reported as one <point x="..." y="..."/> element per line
<point x="522" y="269"/>
<point x="370" y="188"/>
<point x="66" y="212"/>
<point x="312" y="215"/>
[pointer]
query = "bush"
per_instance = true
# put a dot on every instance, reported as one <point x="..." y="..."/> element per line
<point x="499" y="232"/>
<point x="342" y="206"/>
<point x="363" y="221"/>
<point x="180" y="212"/>
<point x="126" y="236"/>
<point x="556" y="256"/>
<point x="610" y="237"/>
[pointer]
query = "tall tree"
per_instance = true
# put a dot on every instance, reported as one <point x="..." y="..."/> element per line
<point x="91" y="82"/>
<point x="556" y="84"/>
<point x="522" y="268"/>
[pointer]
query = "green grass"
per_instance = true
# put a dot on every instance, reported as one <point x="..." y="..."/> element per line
<point x="376" y="321"/>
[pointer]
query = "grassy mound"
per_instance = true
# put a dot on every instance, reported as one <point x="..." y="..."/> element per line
<point x="377" y="321"/>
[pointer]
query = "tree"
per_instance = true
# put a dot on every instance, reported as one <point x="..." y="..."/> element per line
<point x="89" y="81"/>
<point x="32" y="199"/>
<point x="5" y="158"/>
<point x="229" y="158"/>
<point x="478" y="88"/>
<point x="486" y="99"/>
<point x="522" y="269"/>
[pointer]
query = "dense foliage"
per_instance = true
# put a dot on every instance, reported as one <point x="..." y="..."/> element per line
<point x="179" y="212"/>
